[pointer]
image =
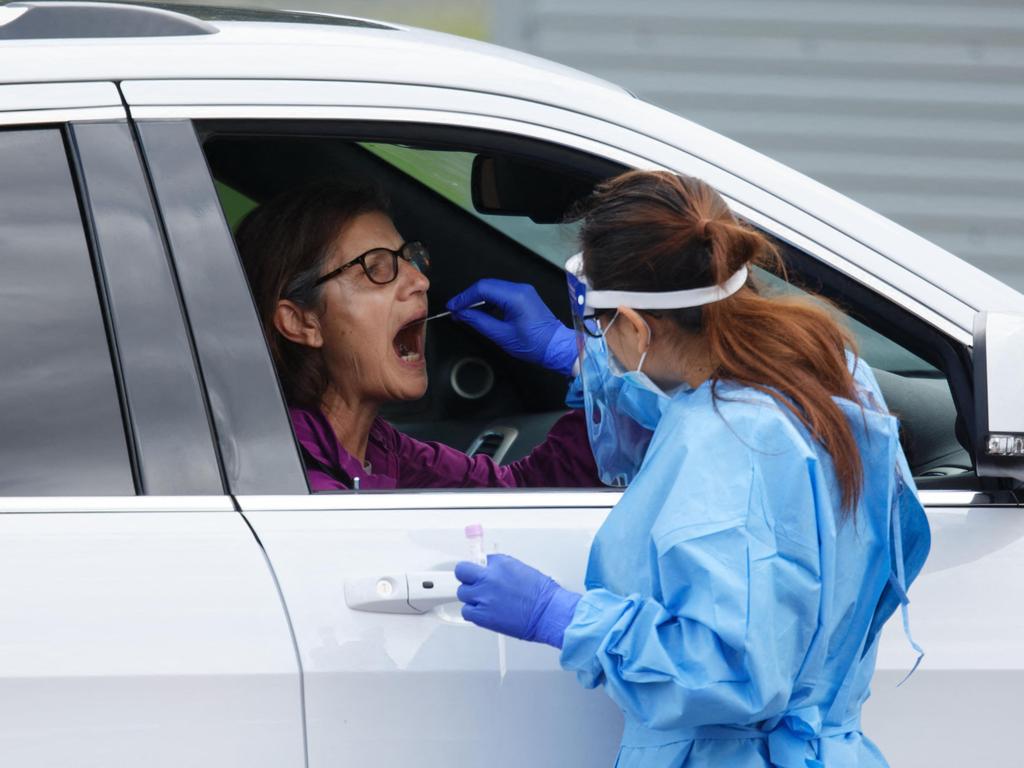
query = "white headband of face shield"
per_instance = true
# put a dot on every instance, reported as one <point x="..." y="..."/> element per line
<point x="691" y="297"/>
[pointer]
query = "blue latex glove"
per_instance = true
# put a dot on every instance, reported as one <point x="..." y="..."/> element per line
<point x="510" y="597"/>
<point x="526" y="329"/>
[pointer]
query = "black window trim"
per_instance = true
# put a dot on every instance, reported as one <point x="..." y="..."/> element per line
<point x="258" y="450"/>
<point x="156" y="437"/>
<point x="89" y="227"/>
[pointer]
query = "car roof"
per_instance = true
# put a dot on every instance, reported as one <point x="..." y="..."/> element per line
<point x="232" y="43"/>
<point x="212" y="43"/>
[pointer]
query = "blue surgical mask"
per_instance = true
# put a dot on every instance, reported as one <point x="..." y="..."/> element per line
<point x="641" y="399"/>
<point x="638" y="397"/>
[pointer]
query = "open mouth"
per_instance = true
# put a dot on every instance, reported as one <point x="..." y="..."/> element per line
<point x="408" y="342"/>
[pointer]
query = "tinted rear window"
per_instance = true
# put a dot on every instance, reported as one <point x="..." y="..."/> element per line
<point x="61" y="429"/>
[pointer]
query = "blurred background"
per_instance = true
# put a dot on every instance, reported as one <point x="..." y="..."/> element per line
<point x="913" y="107"/>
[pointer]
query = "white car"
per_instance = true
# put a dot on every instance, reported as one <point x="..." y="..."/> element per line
<point x="173" y="593"/>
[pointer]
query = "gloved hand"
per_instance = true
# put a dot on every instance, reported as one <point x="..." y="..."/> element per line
<point x="526" y="329"/>
<point x="510" y="597"/>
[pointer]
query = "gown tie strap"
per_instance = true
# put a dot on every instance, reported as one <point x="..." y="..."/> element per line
<point x="897" y="577"/>
<point x="790" y="741"/>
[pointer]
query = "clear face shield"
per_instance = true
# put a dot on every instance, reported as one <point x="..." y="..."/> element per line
<point x="622" y="406"/>
<point x="618" y="442"/>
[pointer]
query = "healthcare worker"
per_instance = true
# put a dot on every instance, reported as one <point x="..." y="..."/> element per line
<point x="769" y="524"/>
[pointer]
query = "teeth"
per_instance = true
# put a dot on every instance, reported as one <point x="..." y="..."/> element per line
<point x="411" y="357"/>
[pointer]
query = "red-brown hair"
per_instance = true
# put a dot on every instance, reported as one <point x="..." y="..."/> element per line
<point x="658" y="231"/>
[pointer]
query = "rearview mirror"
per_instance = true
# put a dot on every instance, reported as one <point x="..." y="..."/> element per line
<point x="507" y="186"/>
<point x="999" y="394"/>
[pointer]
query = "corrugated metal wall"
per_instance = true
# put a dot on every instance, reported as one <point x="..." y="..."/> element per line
<point x="913" y="107"/>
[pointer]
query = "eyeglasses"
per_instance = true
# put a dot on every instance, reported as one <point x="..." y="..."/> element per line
<point x="591" y="324"/>
<point x="381" y="264"/>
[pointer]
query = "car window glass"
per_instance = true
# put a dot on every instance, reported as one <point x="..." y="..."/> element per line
<point x="877" y="350"/>
<point x="61" y="428"/>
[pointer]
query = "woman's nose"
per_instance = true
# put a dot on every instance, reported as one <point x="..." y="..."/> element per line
<point x="411" y="279"/>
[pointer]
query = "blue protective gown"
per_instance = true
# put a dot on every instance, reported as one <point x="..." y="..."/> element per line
<point x="730" y="611"/>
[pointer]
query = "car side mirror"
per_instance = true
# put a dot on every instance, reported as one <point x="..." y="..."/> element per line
<point x="999" y="394"/>
<point x="509" y="186"/>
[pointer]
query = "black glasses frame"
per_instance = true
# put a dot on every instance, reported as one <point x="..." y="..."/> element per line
<point x="591" y="323"/>
<point x="414" y="252"/>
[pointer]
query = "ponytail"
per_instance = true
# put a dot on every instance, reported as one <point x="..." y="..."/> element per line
<point x="656" y="231"/>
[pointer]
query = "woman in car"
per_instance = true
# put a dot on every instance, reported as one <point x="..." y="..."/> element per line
<point x="342" y="296"/>
<point x="769" y="525"/>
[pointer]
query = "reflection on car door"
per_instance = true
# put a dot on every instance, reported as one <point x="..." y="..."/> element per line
<point x="395" y="689"/>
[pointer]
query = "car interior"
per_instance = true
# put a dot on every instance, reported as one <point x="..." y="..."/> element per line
<point x="493" y="205"/>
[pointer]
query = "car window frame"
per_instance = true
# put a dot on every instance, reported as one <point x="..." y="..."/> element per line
<point x="258" y="449"/>
<point x="609" y="135"/>
<point x="304" y="119"/>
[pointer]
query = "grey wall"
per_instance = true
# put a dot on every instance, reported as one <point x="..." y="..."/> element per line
<point x="913" y="107"/>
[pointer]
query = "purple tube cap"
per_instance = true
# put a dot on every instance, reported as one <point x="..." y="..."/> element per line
<point x="474" y="531"/>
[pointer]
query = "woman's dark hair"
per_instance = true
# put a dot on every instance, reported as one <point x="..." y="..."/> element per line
<point x="658" y="231"/>
<point x="284" y="245"/>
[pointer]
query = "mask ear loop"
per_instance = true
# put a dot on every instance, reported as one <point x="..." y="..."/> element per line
<point x="604" y="331"/>
<point x="640" y="365"/>
<point x="650" y="336"/>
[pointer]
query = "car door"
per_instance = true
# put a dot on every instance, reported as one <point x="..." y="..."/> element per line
<point x="141" y="623"/>
<point x="388" y="688"/>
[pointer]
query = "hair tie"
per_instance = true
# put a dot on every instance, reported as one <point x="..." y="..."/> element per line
<point x="705" y="232"/>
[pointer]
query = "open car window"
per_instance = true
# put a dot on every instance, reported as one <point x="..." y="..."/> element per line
<point x="478" y="397"/>
<point x="476" y="391"/>
<point x="449" y="172"/>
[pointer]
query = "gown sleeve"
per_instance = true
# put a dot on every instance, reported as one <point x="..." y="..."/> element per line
<point x="735" y="576"/>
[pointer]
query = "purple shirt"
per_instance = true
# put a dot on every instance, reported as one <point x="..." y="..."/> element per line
<point x="395" y="460"/>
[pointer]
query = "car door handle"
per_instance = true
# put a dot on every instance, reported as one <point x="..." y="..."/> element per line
<point x="414" y="593"/>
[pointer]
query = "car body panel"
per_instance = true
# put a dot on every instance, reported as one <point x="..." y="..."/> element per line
<point x="350" y="658"/>
<point x="142" y="632"/>
<point x="960" y="706"/>
<point x="23" y="103"/>
<point x="388" y="689"/>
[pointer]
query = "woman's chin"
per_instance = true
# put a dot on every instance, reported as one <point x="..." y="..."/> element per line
<point x="413" y="384"/>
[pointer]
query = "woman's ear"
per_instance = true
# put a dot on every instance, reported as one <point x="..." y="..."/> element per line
<point x="637" y="333"/>
<point x="298" y="325"/>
